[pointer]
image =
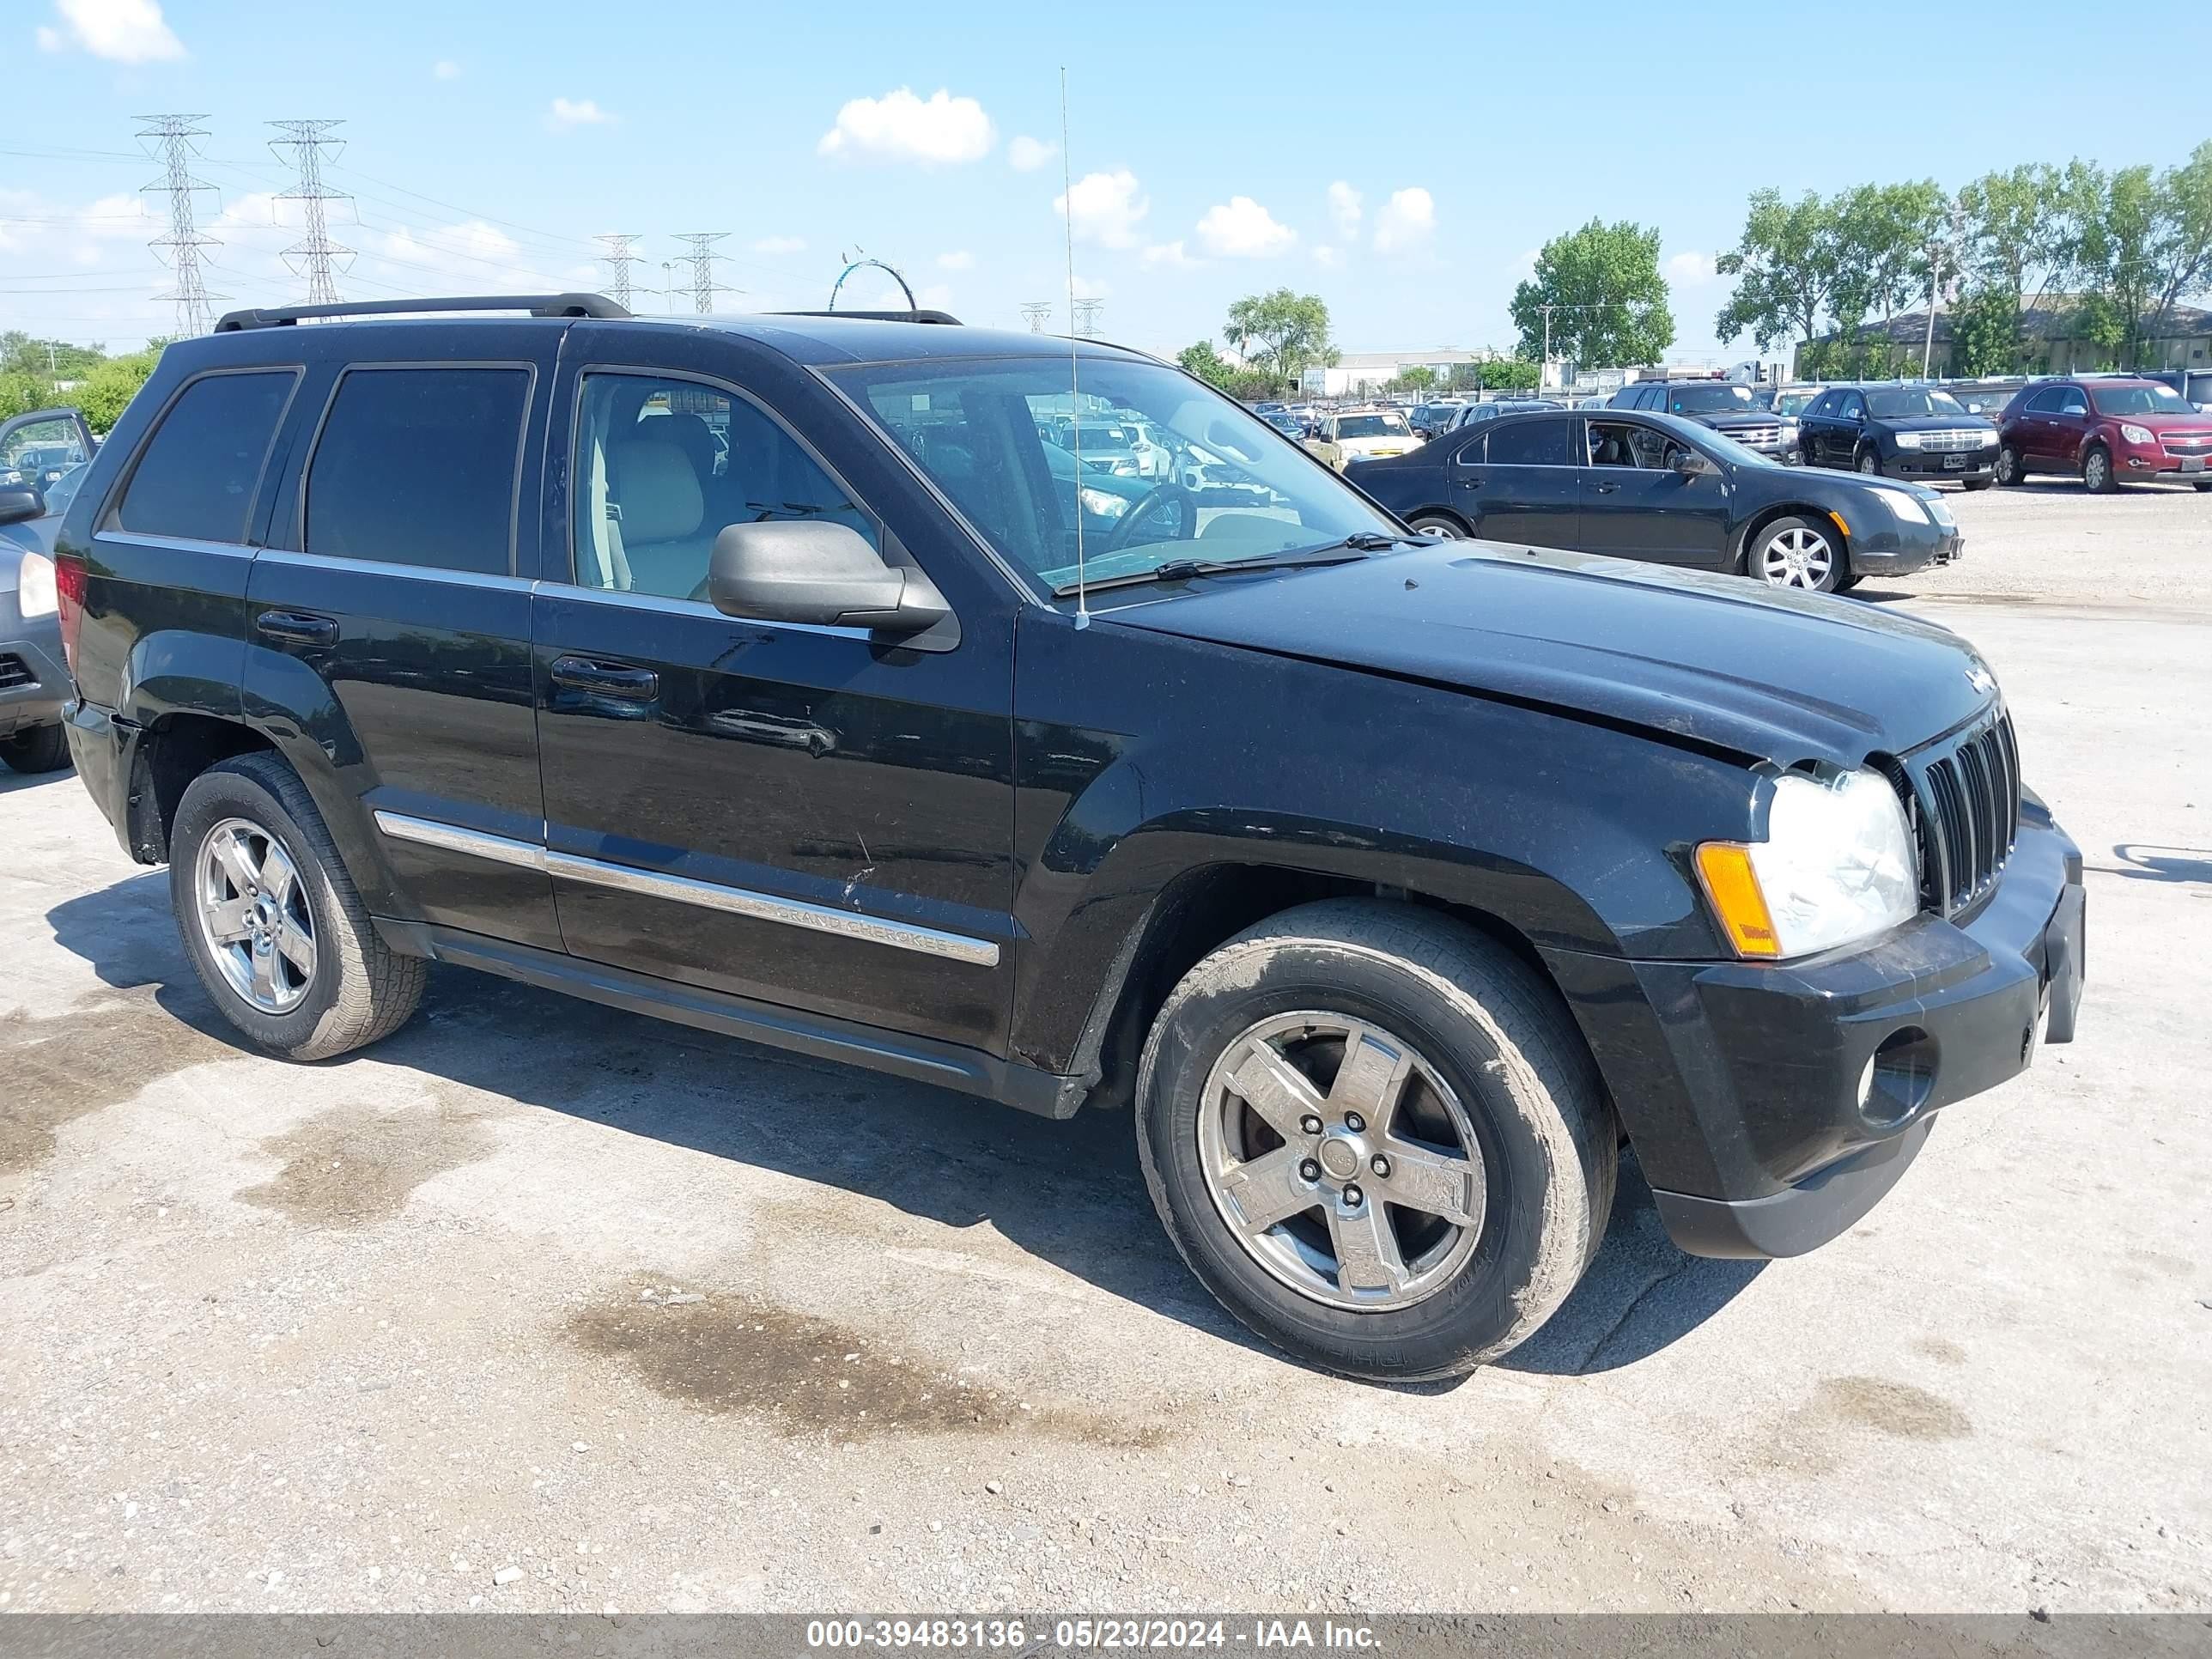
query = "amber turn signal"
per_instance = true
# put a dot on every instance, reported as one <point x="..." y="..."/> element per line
<point x="1733" y="887"/>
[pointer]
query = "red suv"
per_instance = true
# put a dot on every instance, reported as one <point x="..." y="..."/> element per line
<point x="2104" y="430"/>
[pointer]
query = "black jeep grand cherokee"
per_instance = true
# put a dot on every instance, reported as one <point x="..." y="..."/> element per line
<point x="736" y="671"/>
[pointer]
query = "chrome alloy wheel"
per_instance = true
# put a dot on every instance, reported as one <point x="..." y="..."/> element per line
<point x="254" y="916"/>
<point x="1796" y="557"/>
<point x="1341" y="1161"/>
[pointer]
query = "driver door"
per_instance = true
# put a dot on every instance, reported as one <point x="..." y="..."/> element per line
<point x="794" y="813"/>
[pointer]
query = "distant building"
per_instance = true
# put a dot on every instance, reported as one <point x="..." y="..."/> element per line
<point x="2184" y="340"/>
<point x="1358" y="372"/>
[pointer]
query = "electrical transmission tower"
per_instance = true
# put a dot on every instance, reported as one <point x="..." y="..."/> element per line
<point x="314" y="256"/>
<point x="618" y="259"/>
<point x="1084" y="315"/>
<point x="1034" y="312"/>
<point x="181" y="247"/>
<point x="701" y="259"/>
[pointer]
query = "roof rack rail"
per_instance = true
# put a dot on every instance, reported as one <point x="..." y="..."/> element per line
<point x="914" y="316"/>
<point x="537" y="304"/>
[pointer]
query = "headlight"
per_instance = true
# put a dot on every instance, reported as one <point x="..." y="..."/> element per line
<point x="1905" y="504"/>
<point x="1100" y="504"/>
<point x="1789" y="427"/>
<point x="34" y="586"/>
<point x="1837" y="866"/>
<point x="2133" y="434"/>
<point x="1909" y="440"/>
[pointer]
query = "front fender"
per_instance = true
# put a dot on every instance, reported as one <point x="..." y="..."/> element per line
<point x="1142" y="757"/>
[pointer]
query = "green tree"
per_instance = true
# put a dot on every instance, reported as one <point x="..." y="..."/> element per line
<point x="1208" y="364"/>
<point x="2022" y="241"/>
<point x="1787" y="267"/>
<point x="1419" y="378"/>
<point x="1983" y="333"/>
<point x="1606" y="301"/>
<point x="2184" y="249"/>
<point x="1281" y="333"/>
<point x="50" y="360"/>
<point x="109" y="388"/>
<point x="1883" y="236"/>
<point x="21" y="392"/>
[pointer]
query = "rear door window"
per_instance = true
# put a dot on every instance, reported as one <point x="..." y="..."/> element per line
<point x="196" y="478"/>
<point x="1544" y="441"/>
<point x="418" y="466"/>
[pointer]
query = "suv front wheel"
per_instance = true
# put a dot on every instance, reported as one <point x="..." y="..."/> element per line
<point x="272" y="921"/>
<point x="1377" y="1138"/>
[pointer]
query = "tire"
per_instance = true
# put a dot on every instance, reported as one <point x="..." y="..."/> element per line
<point x="1491" y="1061"/>
<point x="2010" y="469"/>
<point x="1435" y="523"/>
<point x="1975" y="485"/>
<point x="353" y="990"/>
<point x="1869" y="462"/>
<point x="1844" y="584"/>
<point x="2202" y="488"/>
<point x="2097" y="471"/>
<point x="41" y="749"/>
<point x="1796" y="552"/>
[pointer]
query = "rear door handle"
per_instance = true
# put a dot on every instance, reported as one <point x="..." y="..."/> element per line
<point x="606" y="679"/>
<point x="297" y="628"/>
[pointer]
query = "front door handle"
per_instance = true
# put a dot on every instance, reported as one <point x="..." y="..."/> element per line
<point x="606" y="679"/>
<point x="1607" y="490"/>
<point x="297" y="628"/>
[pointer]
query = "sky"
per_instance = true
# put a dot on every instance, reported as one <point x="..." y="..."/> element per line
<point x="1217" y="149"/>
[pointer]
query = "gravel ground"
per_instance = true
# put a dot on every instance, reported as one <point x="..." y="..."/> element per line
<point x="540" y="1306"/>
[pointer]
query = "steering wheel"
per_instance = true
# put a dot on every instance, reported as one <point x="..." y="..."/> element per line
<point x="1164" y="499"/>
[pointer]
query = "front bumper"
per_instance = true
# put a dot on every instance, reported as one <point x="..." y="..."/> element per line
<point x="2151" y="461"/>
<point x="34" y="682"/>
<point x="1900" y="549"/>
<point x="1772" y="1106"/>
<point x="1958" y="465"/>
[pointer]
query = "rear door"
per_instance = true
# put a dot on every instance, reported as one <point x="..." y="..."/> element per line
<point x="797" y="814"/>
<point x="1516" y="479"/>
<point x="1636" y="505"/>
<point x="389" y="620"/>
<point x="2067" y="426"/>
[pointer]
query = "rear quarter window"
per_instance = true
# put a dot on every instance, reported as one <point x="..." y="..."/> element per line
<point x="197" y="477"/>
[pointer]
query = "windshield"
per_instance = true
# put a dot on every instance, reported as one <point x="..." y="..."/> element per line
<point x="1234" y="488"/>
<point x="1708" y="399"/>
<point x="2139" y="400"/>
<point x="1373" y="426"/>
<point x="1904" y="405"/>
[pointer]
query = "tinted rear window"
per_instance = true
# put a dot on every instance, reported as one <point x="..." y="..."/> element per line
<point x="1539" y="442"/>
<point x="418" y="466"/>
<point x="197" y="476"/>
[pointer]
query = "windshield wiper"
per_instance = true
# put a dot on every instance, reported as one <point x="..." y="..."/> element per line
<point x="1353" y="547"/>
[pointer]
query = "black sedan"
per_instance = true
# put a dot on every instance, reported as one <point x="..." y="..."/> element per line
<point x="1663" y="489"/>
<point x="1899" y="432"/>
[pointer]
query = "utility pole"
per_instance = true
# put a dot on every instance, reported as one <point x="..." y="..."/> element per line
<point x="1083" y="316"/>
<point x="701" y="259"/>
<point x="618" y="259"/>
<point x="182" y="245"/>
<point x="668" y="284"/>
<point x="1938" y="251"/>
<point x="314" y="255"/>
<point x="1034" y="312"/>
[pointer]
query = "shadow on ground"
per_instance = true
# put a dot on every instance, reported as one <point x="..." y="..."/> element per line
<point x="1070" y="1193"/>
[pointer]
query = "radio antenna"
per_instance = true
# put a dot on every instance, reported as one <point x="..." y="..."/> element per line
<point x="1074" y="383"/>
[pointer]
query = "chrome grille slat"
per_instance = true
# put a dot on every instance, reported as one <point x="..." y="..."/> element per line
<point x="1963" y="798"/>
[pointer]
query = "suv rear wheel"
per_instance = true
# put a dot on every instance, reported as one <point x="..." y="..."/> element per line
<point x="41" y="749"/>
<point x="272" y="921"/>
<point x="1377" y="1138"/>
<point x="2009" y="471"/>
<point x="1433" y="524"/>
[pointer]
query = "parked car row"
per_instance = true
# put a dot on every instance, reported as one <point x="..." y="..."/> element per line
<point x="43" y="458"/>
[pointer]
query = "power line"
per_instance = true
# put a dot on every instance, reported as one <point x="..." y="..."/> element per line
<point x="701" y="259"/>
<point x="184" y="242"/>
<point x="618" y="259"/>
<point x="315" y="252"/>
<point x="1035" y="313"/>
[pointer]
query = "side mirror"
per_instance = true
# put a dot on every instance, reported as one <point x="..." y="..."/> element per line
<point x="1690" y="464"/>
<point x="815" y="570"/>
<point x="20" y="503"/>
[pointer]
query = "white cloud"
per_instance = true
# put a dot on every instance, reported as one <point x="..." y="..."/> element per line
<point x="1690" y="269"/>
<point x="121" y="31"/>
<point x="1104" y="207"/>
<point x="1028" y="153"/>
<point x="1240" y="229"/>
<point x="1089" y="288"/>
<point x="470" y="250"/>
<point x="937" y="296"/>
<point x="446" y="70"/>
<point x="1405" y="222"/>
<point x="1326" y="256"/>
<point x="775" y="247"/>
<point x="959" y="259"/>
<point x="1168" y="253"/>
<point x="1343" y="206"/>
<point x="577" y="112"/>
<point x="901" y="127"/>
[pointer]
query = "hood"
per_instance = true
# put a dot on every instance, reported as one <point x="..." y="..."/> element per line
<point x="1728" y="420"/>
<point x="1387" y="443"/>
<point x="1714" y="661"/>
<point x="2193" y="425"/>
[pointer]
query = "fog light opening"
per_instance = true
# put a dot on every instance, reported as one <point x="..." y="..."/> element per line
<point x="1899" y="1078"/>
